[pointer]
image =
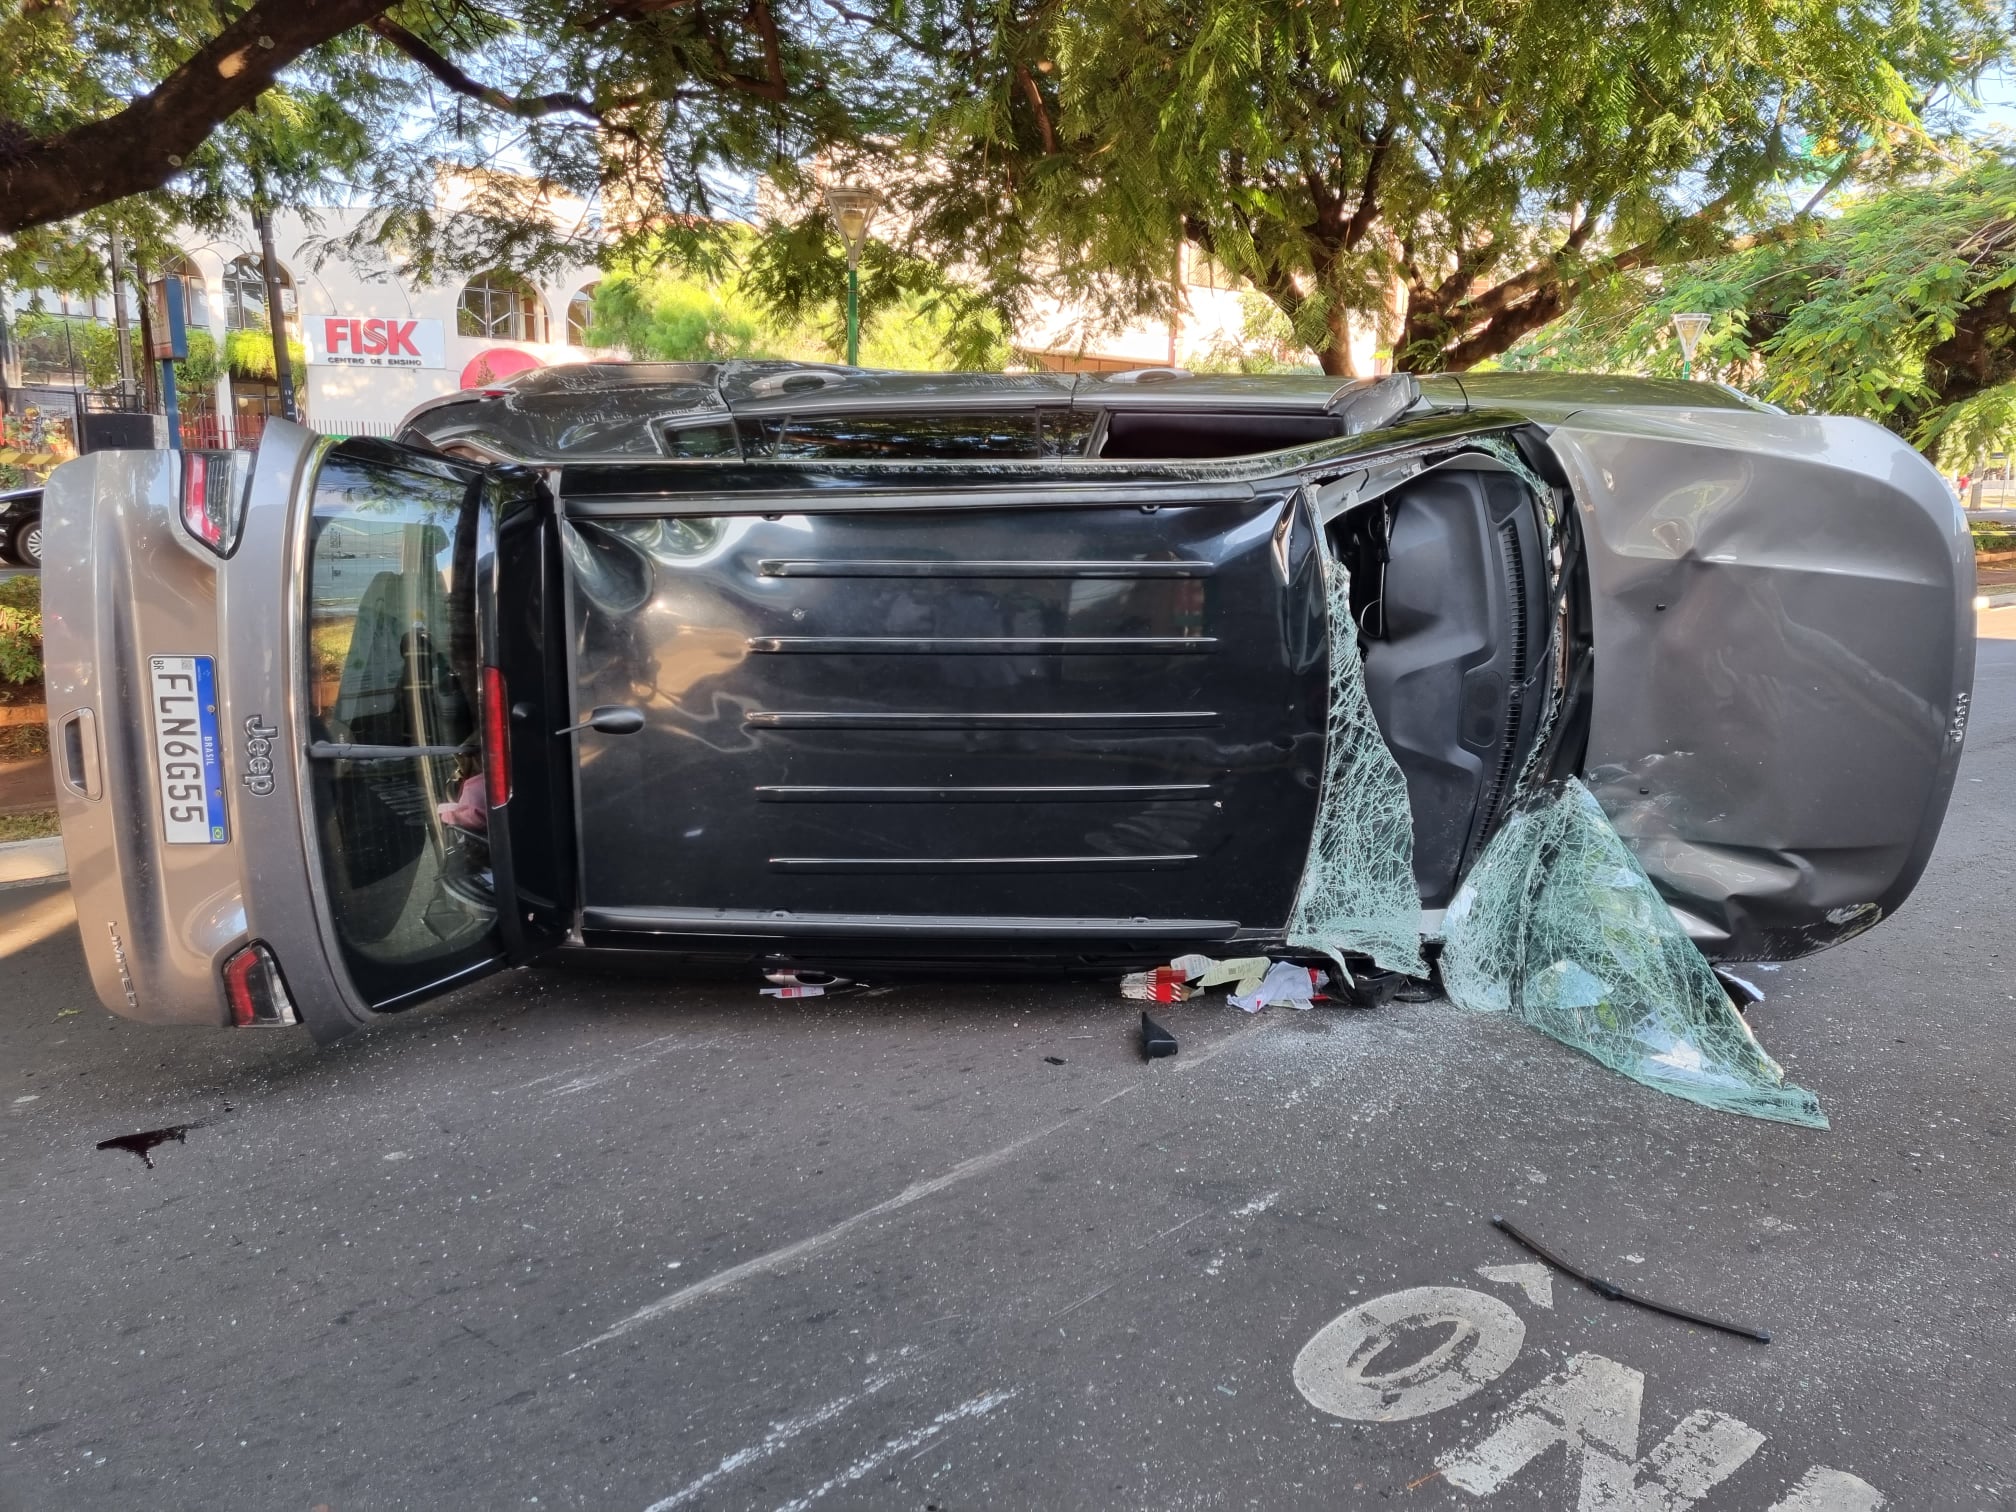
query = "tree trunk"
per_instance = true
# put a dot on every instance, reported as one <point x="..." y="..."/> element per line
<point x="1336" y="358"/>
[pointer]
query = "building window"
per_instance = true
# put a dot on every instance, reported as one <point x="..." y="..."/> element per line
<point x="195" y="298"/>
<point x="1203" y="271"/>
<point x="245" y="298"/>
<point x="581" y="314"/>
<point x="500" y="306"/>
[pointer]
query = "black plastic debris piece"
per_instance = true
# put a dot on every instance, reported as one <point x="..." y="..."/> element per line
<point x="1156" y="1041"/>
<point x="147" y="1139"/>
<point x="1369" y="987"/>
<point x="1616" y="1293"/>
<point x="1054" y="1060"/>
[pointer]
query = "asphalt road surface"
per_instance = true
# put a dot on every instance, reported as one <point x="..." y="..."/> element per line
<point x="569" y="1242"/>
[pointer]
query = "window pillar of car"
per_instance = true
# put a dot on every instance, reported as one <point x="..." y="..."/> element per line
<point x="1451" y="596"/>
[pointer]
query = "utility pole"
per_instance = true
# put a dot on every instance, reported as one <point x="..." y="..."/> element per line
<point x="276" y="316"/>
<point x="120" y="328"/>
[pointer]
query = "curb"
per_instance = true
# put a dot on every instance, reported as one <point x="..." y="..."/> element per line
<point x="2001" y="599"/>
<point x="32" y="860"/>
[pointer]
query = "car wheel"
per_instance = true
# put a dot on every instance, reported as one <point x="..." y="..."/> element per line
<point x="27" y="548"/>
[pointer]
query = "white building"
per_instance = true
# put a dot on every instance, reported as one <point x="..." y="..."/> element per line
<point x="1207" y="328"/>
<point x="374" y="346"/>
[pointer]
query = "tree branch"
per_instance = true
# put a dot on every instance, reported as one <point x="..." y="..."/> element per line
<point x="1368" y="191"/>
<point x="145" y="145"/>
<point x="1028" y="83"/>
<point x="527" y="107"/>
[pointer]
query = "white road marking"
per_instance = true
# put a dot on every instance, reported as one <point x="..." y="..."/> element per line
<point x="1257" y="1206"/>
<point x="1535" y="1280"/>
<point x="979" y="1406"/>
<point x="978" y="1165"/>
<point x="1332" y="1369"/>
<point x="1591" y="1408"/>
<point x="1825" y="1490"/>
<point x="779" y="1435"/>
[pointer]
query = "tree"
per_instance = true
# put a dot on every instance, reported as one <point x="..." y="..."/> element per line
<point x="1898" y="309"/>
<point x="750" y="305"/>
<point x="159" y="114"/>
<point x="1490" y="159"/>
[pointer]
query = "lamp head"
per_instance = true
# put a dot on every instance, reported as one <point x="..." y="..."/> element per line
<point x="1690" y="329"/>
<point x="853" y="209"/>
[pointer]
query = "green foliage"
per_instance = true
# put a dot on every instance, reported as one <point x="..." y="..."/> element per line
<point x="32" y="444"/>
<point x="199" y="370"/>
<point x="1898" y="309"/>
<point x="1992" y="536"/>
<point x="763" y="300"/>
<point x="673" y="319"/>
<point x="1490" y="157"/>
<point x="1266" y="343"/>
<point x="21" y="628"/>
<point x="1491" y="160"/>
<point x="249" y="354"/>
<point x="55" y="345"/>
<point x="913" y="313"/>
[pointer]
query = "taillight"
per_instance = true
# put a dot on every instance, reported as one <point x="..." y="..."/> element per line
<point x="255" y="991"/>
<point x="213" y="499"/>
<point x="496" y="739"/>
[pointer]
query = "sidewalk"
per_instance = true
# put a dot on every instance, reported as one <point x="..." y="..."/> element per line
<point x="32" y="860"/>
<point x="26" y="786"/>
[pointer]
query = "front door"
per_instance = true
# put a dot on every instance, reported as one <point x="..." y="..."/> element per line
<point x="1040" y="715"/>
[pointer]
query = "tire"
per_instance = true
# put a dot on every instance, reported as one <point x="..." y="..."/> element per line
<point x="7" y="547"/>
<point x="26" y="547"/>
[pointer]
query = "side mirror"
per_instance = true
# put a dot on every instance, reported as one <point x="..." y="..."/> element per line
<point x="609" y="719"/>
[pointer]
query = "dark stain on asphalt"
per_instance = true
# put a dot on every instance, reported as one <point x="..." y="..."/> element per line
<point x="147" y="1139"/>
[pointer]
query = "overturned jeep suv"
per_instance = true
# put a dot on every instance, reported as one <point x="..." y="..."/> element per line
<point x="823" y="668"/>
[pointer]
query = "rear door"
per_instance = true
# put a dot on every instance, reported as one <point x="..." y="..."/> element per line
<point x="968" y="707"/>
<point x="407" y="687"/>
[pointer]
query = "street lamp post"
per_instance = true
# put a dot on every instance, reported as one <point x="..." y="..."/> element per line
<point x="1689" y="328"/>
<point x="853" y="207"/>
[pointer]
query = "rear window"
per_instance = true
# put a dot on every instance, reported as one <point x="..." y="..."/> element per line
<point x="395" y="751"/>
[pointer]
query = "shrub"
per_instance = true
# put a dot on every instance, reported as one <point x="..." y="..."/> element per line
<point x="21" y="629"/>
<point x="249" y="354"/>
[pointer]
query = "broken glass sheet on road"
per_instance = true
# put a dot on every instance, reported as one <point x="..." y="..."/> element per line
<point x="1357" y="893"/>
<point x="1558" y="925"/>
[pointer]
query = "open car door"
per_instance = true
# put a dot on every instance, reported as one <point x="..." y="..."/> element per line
<point x="401" y="718"/>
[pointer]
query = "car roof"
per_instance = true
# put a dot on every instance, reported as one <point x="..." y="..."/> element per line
<point x="615" y="409"/>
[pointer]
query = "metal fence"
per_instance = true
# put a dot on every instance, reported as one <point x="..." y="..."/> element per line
<point x="242" y="432"/>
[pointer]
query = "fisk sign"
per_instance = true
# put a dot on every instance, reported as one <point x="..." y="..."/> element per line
<point x="368" y="341"/>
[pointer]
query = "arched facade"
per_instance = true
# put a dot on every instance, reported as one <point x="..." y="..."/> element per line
<point x="245" y="297"/>
<point x="500" y="306"/>
<point x="581" y="314"/>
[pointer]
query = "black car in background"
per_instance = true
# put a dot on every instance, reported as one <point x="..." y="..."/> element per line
<point x="21" y="527"/>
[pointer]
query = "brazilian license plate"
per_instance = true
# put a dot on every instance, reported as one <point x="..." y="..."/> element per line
<point x="188" y="757"/>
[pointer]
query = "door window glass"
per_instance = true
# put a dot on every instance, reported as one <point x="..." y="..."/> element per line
<point x="392" y="666"/>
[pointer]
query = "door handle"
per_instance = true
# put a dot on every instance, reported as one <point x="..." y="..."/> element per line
<point x="77" y="753"/>
<point x="608" y="719"/>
